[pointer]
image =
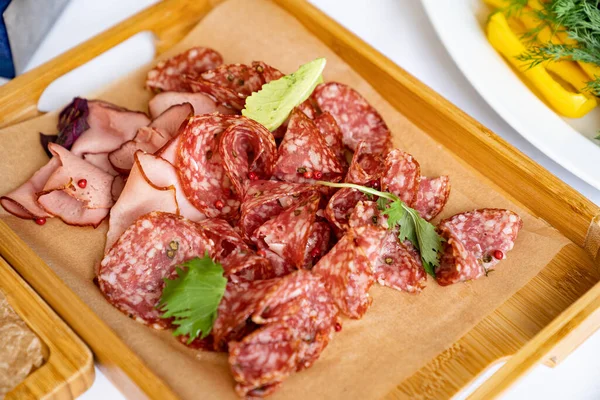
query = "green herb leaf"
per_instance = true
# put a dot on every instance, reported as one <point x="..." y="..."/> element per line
<point x="410" y="225"/>
<point x="274" y="102"/>
<point x="192" y="298"/>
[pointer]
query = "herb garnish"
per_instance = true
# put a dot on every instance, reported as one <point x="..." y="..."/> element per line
<point x="410" y="225"/>
<point x="192" y="298"/>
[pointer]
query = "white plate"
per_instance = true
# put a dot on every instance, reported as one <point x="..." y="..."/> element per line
<point x="569" y="142"/>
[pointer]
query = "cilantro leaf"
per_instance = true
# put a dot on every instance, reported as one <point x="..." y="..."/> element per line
<point x="410" y="225"/>
<point x="274" y="102"/>
<point x="192" y="298"/>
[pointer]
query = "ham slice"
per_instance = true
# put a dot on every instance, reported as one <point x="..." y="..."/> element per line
<point x="152" y="137"/>
<point x="152" y="185"/>
<point x="110" y="127"/>
<point x="201" y="103"/>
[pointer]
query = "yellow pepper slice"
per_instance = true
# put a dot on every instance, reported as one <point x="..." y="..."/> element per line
<point x="569" y="104"/>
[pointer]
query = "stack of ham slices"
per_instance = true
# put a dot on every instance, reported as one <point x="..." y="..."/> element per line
<point x="197" y="177"/>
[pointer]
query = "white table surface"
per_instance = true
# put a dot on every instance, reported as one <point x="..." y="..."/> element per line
<point x="401" y="31"/>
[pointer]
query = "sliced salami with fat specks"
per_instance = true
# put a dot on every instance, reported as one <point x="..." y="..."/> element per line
<point x="475" y="242"/>
<point x="240" y="263"/>
<point x="201" y="171"/>
<point x="358" y="119"/>
<point x="347" y="274"/>
<point x="366" y="168"/>
<point x="240" y="78"/>
<point x="266" y="199"/>
<point x="267" y="72"/>
<point x="248" y="151"/>
<point x="318" y="244"/>
<point x="304" y="153"/>
<point x="331" y="133"/>
<point x="221" y="95"/>
<point x="402" y="176"/>
<point x="432" y="196"/>
<point x="131" y="273"/>
<point x="287" y="234"/>
<point x="167" y="75"/>
<point x="340" y="206"/>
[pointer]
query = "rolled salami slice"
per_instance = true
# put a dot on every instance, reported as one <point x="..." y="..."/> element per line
<point x="358" y="119"/>
<point x="268" y="73"/>
<point x="347" y="274"/>
<point x="200" y="167"/>
<point x="475" y="242"/>
<point x="402" y="176"/>
<point x="340" y="206"/>
<point x="432" y="196"/>
<point x="287" y="234"/>
<point x="304" y="154"/>
<point x="131" y="273"/>
<point x="366" y="168"/>
<point x="319" y="243"/>
<point x="248" y="152"/>
<point x="266" y="199"/>
<point x="331" y="132"/>
<point x="167" y="74"/>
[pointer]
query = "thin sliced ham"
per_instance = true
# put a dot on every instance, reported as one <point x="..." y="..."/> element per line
<point x="152" y="186"/>
<point x="201" y="103"/>
<point x="152" y="137"/>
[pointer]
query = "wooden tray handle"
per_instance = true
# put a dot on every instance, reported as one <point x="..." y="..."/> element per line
<point x="169" y="20"/>
<point x="587" y="309"/>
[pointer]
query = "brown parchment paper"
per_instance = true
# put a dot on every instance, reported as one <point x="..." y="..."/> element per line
<point x="398" y="335"/>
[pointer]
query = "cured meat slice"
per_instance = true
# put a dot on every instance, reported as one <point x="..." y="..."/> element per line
<point x="22" y="202"/>
<point x="347" y="274"/>
<point x="340" y="206"/>
<point x="432" y="196"/>
<point x="366" y="168"/>
<point x="357" y="119"/>
<point x="79" y="179"/>
<point x="70" y="210"/>
<point x="248" y="152"/>
<point x="239" y="302"/>
<point x="221" y="95"/>
<point x="109" y="127"/>
<point x="331" y="132"/>
<point x="240" y="78"/>
<point x="200" y="167"/>
<point x="166" y="75"/>
<point x="153" y="185"/>
<point x="267" y="72"/>
<point x="318" y="243"/>
<point x="151" y="138"/>
<point x="366" y="213"/>
<point x="239" y="262"/>
<point x="280" y="266"/>
<point x="287" y="234"/>
<point x="201" y="103"/>
<point x="131" y="274"/>
<point x="266" y="199"/>
<point x="100" y="160"/>
<point x="304" y="153"/>
<point x="399" y="265"/>
<point x="475" y="242"/>
<point x="308" y="108"/>
<point x="402" y="176"/>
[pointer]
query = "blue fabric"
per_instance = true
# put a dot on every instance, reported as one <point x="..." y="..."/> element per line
<point x="7" y="68"/>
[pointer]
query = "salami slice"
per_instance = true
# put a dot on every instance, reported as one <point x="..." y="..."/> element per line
<point x="475" y="242"/>
<point x="402" y="176"/>
<point x="267" y="72"/>
<point x="340" y="206"/>
<point x="308" y="108"/>
<point x="242" y="79"/>
<point x="167" y="74"/>
<point x="347" y="274"/>
<point x="221" y="95"/>
<point x="266" y="199"/>
<point x="358" y="119"/>
<point x="399" y="265"/>
<point x="331" y="133"/>
<point x="287" y="234"/>
<point x="366" y="168"/>
<point x="432" y="196"/>
<point x="304" y="154"/>
<point x="248" y="152"/>
<point x="240" y="263"/>
<point x="318" y="244"/>
<point x="200" y="167"/>
<point x="131" y="273"/>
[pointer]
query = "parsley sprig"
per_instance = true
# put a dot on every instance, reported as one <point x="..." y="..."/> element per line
<point x="192" y="298"/>
<point x="410" y="225"/>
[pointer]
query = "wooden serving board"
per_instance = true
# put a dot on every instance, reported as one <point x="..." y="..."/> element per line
<point x="68" y="368"/>
<point x="542" y="322"/>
